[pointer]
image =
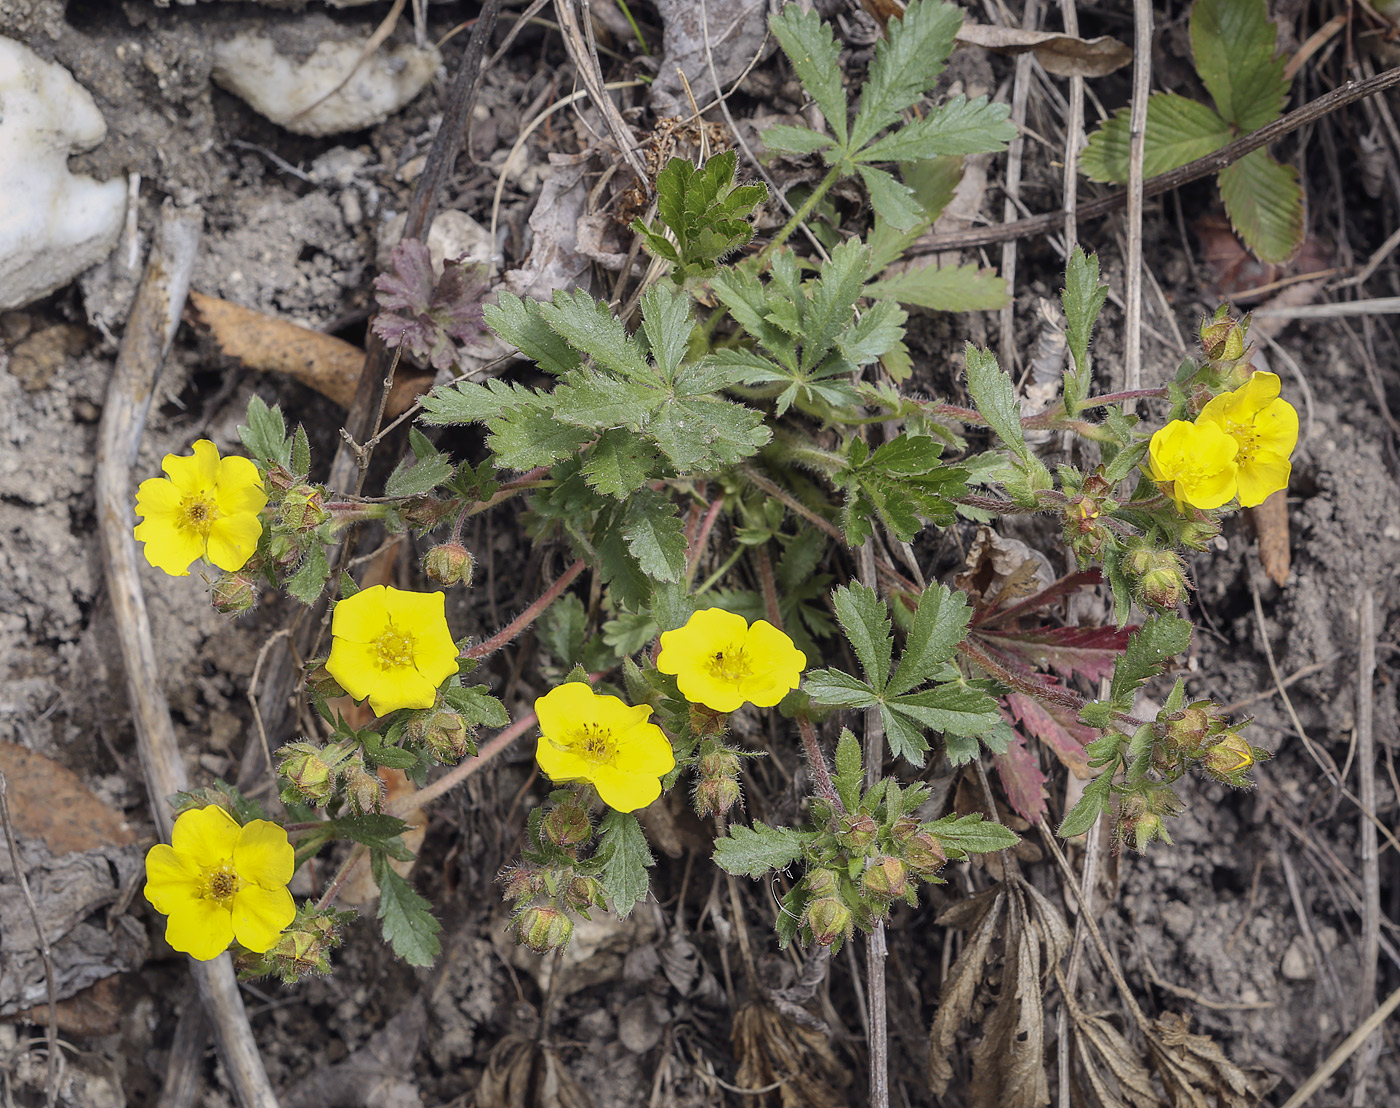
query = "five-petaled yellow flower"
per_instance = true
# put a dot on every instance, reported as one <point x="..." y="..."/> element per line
<point x="720" y="660"/>
<point x="218" y="882"/>
<point x="392" y="646"/>
<point x="205" y="507"/>
<point x="1197" y="461"/>
<point x="601" y="740"/>
<point x="1264" y="427"/>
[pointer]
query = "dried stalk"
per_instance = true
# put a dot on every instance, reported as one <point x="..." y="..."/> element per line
<point x="149" y="333"/>
<point x="1137" y="145"/>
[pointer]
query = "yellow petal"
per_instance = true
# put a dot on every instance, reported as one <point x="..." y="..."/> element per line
<point x="240" y="487"/>
<point x="561" y="764"/>
<point x="566" y="706"/>
<point x="171" y="881"/>
<point x="1210" y="490"/>
<point x="263" y="856"/>
<point x="196" y="473"/>
<point x="157" y="497"/>
<point x="706" y="633"/>
<point x="776" y="663"/>
<point x="260" y="915"/>
<point x="1265" y="475"/>
<point x="233" y="540"/>
<point x="400" y="687"/>
<point x="205" y="836"/>
<point x="168" y="547"/>
<point x="701" y="687"/>
<point x="644" y="750"/>
<point x="434" y="653"/>
<point x="1276" y="429"/>
<point x="416" y="611"/>
<point x="361" y="618"/>
<point x="1259" y="391"/>
<point x="202" y="929"/>
<point x="354" y="665"/>
<point x="626" y="792"/>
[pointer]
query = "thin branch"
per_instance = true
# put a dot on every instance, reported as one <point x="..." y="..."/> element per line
<point x="1049" y="222"/>
<point x="527" y="617"/>
<point x="1137" y="146"/>
<point x="1370" y="846"/>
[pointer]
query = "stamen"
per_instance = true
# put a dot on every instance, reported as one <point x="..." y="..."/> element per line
<point x="394" y="649"/>
<point x="222" y="884"/>
<point x="198" y="514"/>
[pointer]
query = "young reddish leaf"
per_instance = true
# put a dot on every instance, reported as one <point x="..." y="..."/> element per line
<point x="1021" y="778"/>
<point x="1065" y="586"/>
<point x="1057" y="728"/>
<point x="1087" y="651"/>
<point x="426" y="314"/>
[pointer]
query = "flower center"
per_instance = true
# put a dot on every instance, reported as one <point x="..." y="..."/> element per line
<point x="594" y="742"/>
<point x="394" y="648"/>
<point x="198" y="513"/>
<point x="730" y="665"/>
<point x="221" y="884"/>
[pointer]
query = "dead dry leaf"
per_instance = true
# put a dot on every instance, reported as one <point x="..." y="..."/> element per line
<point x="48" y="801"/>
<point x="1270" y="521"/>
<point x="737" y="29"/>
<point x="323" y="362"/>
<point x="1196" y="1072"/>
<point x="1062" y="55"/>
<point x="522" y="1073"/>
<point x="774" y="1050"/>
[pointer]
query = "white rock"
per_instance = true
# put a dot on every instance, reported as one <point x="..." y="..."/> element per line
<point x="53" y="224"/>
<point x="283" y="88"/>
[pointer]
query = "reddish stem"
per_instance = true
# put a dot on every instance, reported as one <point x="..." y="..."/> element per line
<point x="527" y="617"/>
<point x="697" y="548"/>
<point x="817" y="760"/>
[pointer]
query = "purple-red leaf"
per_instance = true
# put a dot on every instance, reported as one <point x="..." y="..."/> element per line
<point x="1087" y="651"/>
<point x="424" y="314"/>
<point x="1057" y="727"/>
<point x="1065" y="586"/>
<point x="1021" y="778"/>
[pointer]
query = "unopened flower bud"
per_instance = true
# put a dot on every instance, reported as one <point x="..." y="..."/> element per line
<point x="280" y="478"/>
<point x="829" y="920"/>
<point x="1229" y="758"/>
<point x="303" y="508"/>
<point x="543" y="928"/>
<point x="320" y="681"/>
<point x="924" y="854"/>
<point x="583" y="893"/>
<point x="821" y="883"/>
<point x="859" y="831"/>
<point x="448" y="563"/>
<point x="444" y="732"/>
<point x="1187" y="729"/>
<point x="718" y="761"/>
<point x="1160" y="580"/>
<point x="310" y="775"/>
<point x="282" y="549"/>
<point x="1222" y="339"/>
<point x="716" y="795"/>
<point x="1141" y="829"/>
<point x="425" y="513"/>
<point x="522" y="882"/>
<point x="364" y="789"/>
<point x="567" y="824"/>
<point x="234" y="594"/>
<point x="1198" y="534"/>
<point x="886" y="878"/>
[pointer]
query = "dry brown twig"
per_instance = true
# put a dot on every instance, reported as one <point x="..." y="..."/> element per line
<point x="1370" y="846"/>
<point x="150" y="330"/>
<point x="1020" y="92"/>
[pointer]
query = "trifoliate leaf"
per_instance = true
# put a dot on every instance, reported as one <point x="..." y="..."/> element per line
<point x="760" y="849"/>
<point x="1234" y="44"/>
<point x="619" y="463"/>
<point x="850" y="774"/>
<point x="866" y="622"/>
<point x="907" y="64"/>
<point x="1155" y="643"/>
<point x="811" y="48"/>
<point x="655" y="535"/>
<point x="940" y="623"/>
<point x="520" y="323"/>
<point x="1083" y="297"/>
<point x="623" y="852"/>
<point x="893" y="202"/>
<point x="1179" y="130"/>
<point x="961" y="126"/>
<point x="971" y="835"/>
<point x="405" y="917"/>
<point x="961" y="288"/>
<point x="1265" y="204"/>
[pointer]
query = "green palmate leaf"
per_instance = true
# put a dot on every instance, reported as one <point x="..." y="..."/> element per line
<point x="520" y="323"/>
<point x="628" y="585"/>
<point x="705" y="210"/>
<point x="832" y="300"/>
<point x="478" y="707"/>
<point x="953" y="707"/>
<point x="740" y="290"/>
<point x="760" y="849"/>
<point x="962" y="288"/>
<point x="1179" y="130"/>
<point x="940" y="623"/>
<point x="308" y="581"/>
<point x="533" y="437"/>
<point x="564" y="628"/>
<point x="905" y="736"/>
<point x="1233" y="42"/>
<point x="619" y="463"/>
<point x="907" y="64"/>
<point x="874" y="334"/>
<point x="934" y="181"/>
<point x="589" y="326"/>
<point x="961" y="126"/>
<point x="623" y="853"/>
<point x="1149" y="649"/>
<point x="1093" y="803"/>
<point x="971" y="834"/>
<point x="902" y="480"/>
<point x="892" y="201"/>
<point x="468" y="402"/>
<point x="1265" y="204"/>
<point x="697" y="433"/>
<point x="381" y="832"/>
<point x="785" y="139"/>
<point x="655" y="535"/>
<point x="431" y="470"/>
<point x="266" y="434"/>
<point x="866" y="621"/>
<point x="1083" y="297"/>
<point x="850" y="774"/>
<point x="835" y="689"/>
<point x="405" y="917"/>
<point x="667" y="324"/>
<point x="811" y="48"/>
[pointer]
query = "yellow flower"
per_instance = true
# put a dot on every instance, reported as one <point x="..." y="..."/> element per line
<point x="392" y="647"/>
<point x="1194" y="463"/>
<point x="601" y="740"/>
<point x="219" y="882"/>
<point x="1265" y="429"/>
<point x="720" y="660"/>
<point x="208" y="508"/>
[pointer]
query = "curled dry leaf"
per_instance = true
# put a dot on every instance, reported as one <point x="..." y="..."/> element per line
<point x="323" y="362"/>
<point x="523" y="1073"/>
<point x="774" y="1050"/>
<point x="1101" y="1047"/>
<point x="1196" y="1072"/>
<point x="1270" y="521"/>
<point x="1062" y="55"/>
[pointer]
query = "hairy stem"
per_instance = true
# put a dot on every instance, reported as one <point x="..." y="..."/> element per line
<point x="800" y="216"/>
<point x="527" y="617"/>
